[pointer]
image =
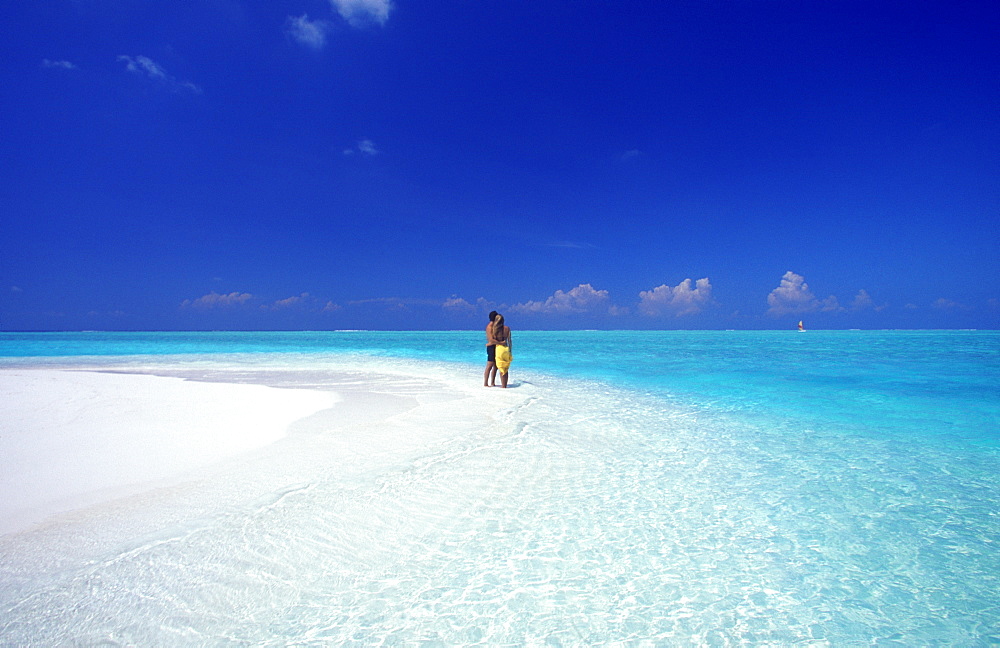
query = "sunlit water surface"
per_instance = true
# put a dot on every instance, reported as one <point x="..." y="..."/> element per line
<point x="711" y="488"/>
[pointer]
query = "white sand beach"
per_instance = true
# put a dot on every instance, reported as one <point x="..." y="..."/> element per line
<point x="70" y="439"/>
<point x="227" y="492"/>
<point x="164" y="502"/>
<point x="74" y="439"/>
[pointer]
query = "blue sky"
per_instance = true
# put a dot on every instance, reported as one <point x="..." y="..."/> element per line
<point x="319" y="164"/>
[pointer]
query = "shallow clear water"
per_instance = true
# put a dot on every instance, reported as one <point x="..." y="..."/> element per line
<point x="661" y="488"/>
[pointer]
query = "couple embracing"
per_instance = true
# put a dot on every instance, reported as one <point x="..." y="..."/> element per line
<point x="498" y="346"/>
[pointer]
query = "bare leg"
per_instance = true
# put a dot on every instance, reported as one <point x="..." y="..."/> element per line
<point x="490" y="368"/>
<point x="503" y="380"/>
<point x="493" y="377"/>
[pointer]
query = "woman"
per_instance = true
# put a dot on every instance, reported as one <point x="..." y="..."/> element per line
<point x="502" y="338"/>
<point x="490" y="375"/>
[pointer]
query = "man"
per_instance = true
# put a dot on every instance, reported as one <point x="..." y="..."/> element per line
<point x="490" y="375"/>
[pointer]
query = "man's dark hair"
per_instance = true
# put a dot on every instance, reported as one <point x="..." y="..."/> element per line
<point x="493" y="315"/>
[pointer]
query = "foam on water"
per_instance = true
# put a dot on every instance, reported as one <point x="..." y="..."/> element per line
<point x="555" y="513"/>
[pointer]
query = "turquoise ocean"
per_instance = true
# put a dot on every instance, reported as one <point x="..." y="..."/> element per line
<point x="654" y="488"/>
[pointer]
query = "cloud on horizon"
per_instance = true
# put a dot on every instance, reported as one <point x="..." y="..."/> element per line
<point x="459" y="306"/>
<point x="301" y="300"/>
<point x="948" y="304"/>
<point x="863" y="301"/>
<point x="686" y="298"/>
<point x="582" y="299"/>
<point x="216" y="300"/>
<point x="793" y="296"/>
<point x="392" y="304"/>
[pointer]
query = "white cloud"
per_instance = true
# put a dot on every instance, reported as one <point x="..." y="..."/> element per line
<point x="59" y="65"/>
<point x="831" y="305"/>
<point x="394" y="304"/>
<point x="365" y="147"/>
<point x="144" y="66"/>
<point x="686" y="298"/>
<point x="390" y="304"/>
<point x="215" y="300"/>
<point x="457" y="304"/>
<point x="294" y="300"/>
<point x="584" y="298"/>
<point x="793" y="296"/>
<point x="360" y="13"/>
<point x="948" y="304"/>
<point x="311" y="33"/>
<point x="864" y="301"/>
<point x="332" y="307"/>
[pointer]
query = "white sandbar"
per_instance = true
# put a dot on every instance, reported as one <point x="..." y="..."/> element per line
<point x="70" y="439"/>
